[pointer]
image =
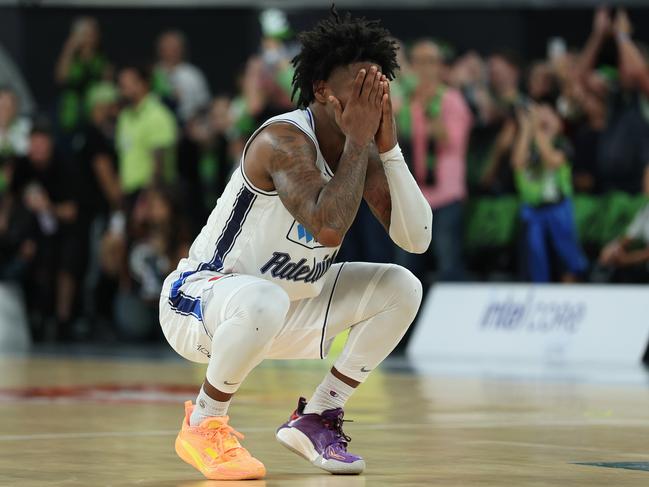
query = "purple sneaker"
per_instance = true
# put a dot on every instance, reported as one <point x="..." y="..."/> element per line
<point x="320" y="439"/>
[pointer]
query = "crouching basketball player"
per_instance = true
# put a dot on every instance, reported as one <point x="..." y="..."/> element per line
<point x="261" y="280"/>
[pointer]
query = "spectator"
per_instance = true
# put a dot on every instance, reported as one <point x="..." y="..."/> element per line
<point x="265" y="82"/>
<point x="12" y="79"/>
<point x="145" y="137"/>
<point x="248" y="104"/>
<point x="178" y="79"/>
<point x="469" y="75"/>
<point x="184" y="87"/>
<point x="14" y="133"/>
<point x="43" y="187"/>
<point x="276" y="55"/>
<point x="542" y="173"/>
<point x="634" y="67"/>
<point x="100" y="195"/>
<point x="217" y="156"/>
<point x="504" y="80"/>
<point x="620" y="165"/>
<point x="586" y="138"/>
<point x="16" y="245"/>
<point x="81" y="64"/>
<point x="438" y="122"/>
<point x="158" y="238"/>
<point x="626" y="259"/>
<point x="97" y="160"/>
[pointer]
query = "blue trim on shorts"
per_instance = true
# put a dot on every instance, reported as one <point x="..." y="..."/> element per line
<point x="187" y="305"/>
<point x="182" y="303"/>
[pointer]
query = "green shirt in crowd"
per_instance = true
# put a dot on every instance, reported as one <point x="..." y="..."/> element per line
<point x="82" y="75"/>
<point x="244" y="122"/>
<point x="538" y="185"/>
<point x="141" y="130"/>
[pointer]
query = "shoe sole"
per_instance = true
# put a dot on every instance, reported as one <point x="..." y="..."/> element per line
<point x="188" y="458"/>
<point x="297" y="442"/>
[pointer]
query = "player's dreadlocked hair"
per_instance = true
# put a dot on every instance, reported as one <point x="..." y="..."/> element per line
<point x="338" y="41"/>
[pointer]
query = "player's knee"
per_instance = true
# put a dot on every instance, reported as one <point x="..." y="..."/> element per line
<point x="406" y="289"/>
<point x="266" y="305"/>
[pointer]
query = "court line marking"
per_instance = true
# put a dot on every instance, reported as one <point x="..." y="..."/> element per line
<point x="636" y="423"/>
<point x="89" y="434"/>
<point x="378" y="427"/>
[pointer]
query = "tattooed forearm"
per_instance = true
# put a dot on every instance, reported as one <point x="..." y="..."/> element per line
<point x="326" y="208"/>
<point x="340" y="198"/>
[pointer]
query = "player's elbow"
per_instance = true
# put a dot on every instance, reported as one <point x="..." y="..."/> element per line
<point x="424" y="236"/>
<point x="330" y="237"/>
<point x="420" y="242"/>
<point x="420" y="248"/>
<point x="413" y="245"/>
<point x="417" y="238"/>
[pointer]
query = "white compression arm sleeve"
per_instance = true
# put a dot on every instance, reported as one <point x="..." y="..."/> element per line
<point x="412" y="218"/>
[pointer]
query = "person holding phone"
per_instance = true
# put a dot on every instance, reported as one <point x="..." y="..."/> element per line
<point x="542" y="175"/>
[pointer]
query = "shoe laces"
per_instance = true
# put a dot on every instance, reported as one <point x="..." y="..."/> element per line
<point x="218" y="433"/>
<point x="337" y="427"/>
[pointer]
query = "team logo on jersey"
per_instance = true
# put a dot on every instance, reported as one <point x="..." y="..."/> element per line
<point x="300" y="235"/>
<point x="281" y="266"/>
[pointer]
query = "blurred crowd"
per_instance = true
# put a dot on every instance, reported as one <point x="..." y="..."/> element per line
<point x="102" y="194"/>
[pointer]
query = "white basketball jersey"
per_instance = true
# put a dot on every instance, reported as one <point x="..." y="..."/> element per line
<point x="251" y="232"/>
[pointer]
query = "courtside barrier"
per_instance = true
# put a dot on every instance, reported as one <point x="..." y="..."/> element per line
<point x="540" y="323"/>
<point x="14" y="330"/>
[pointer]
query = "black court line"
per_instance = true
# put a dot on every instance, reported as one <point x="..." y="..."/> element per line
<point x="625" y="465"/>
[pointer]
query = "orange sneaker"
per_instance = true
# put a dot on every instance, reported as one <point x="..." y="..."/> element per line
<point x="214" y="450"/>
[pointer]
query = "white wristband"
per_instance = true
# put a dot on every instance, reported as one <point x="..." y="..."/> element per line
<point x="393" y="155"/>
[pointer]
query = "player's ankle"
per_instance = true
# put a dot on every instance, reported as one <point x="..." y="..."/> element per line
<point x="331" y="393"/>
<point x="206" y="407"/>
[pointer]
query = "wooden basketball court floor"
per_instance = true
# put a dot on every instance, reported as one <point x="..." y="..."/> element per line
<point x="111" y="422"/>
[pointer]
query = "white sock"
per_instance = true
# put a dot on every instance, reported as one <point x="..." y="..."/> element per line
<point x="206" y="407"/>
<point x="332" y="393"/>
